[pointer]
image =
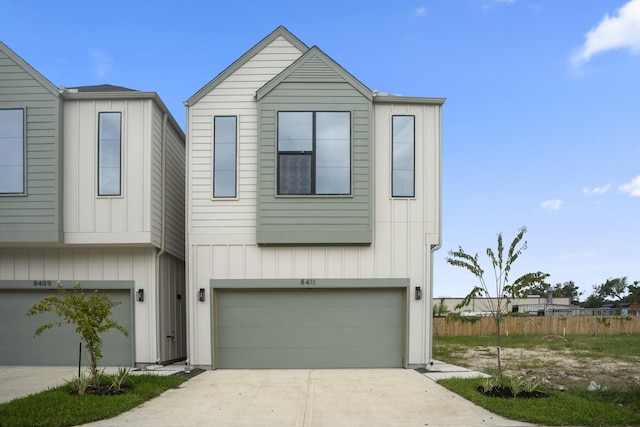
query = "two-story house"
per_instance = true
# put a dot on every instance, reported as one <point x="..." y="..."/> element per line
<point x="91" y="191"/>
<point x="313" y="210"/>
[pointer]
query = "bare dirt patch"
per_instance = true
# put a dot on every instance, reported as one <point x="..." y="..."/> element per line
<point x="558" y="369"/>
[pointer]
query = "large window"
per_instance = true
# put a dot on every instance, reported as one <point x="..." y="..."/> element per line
<point x="12" y="151"/>
<point x="224" y="156"/>
<point x="109" y="157"/>
<point x="314" y="153"/>
<point x="403" y="156"/>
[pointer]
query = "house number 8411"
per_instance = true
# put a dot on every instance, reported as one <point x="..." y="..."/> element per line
<point x="307" y="282"/>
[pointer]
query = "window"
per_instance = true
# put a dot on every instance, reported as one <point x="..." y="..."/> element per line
<point x="109" y="147"/>
<point x="403" y="156"/>
<point x="12" y="151"/>
<point x="314" y="153"/>
<point x="224" y="156"/>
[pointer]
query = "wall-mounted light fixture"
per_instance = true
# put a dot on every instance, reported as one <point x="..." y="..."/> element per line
<point x="140" y="295"/>
<point x="418" y="292"/>
<point x="201" y="294"/>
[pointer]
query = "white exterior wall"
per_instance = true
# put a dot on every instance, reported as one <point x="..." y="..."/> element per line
<point x="82" y="264"/>
<point x="221" y="234"/>
<point x="117" y="219"/>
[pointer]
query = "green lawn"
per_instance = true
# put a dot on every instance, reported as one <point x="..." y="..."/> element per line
<point x="56" y="407"/>
<point x="617" y="403"/>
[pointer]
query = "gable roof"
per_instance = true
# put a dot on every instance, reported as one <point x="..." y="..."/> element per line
<point x="102" y="88"/>
<point x="29" y="69"/>
<point x="315" y="53"/>
<point x="278" y="32"/>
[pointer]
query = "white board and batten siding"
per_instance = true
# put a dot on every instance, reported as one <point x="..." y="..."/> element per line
<point x="97" y="264"/>
<point x="222" y="232"/>
<point x="134" y="217"/>
<point x="235" y="96"/>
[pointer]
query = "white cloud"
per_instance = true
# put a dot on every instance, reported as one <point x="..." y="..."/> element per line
<point x="101" y="62"/>
<point x="596" y="190"/>
<point x="620" y="30"/>
<point x="421" y="11"/>
<point x="633" y="187"/>
<point x="551" y="205"/>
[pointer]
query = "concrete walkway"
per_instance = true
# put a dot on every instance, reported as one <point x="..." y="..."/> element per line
<point x="307" y="398"/>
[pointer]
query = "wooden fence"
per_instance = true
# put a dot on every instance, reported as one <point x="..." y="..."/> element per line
<point x="548" y="325"/>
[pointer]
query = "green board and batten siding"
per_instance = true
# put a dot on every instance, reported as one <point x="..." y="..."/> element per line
<point x="288" y="325"/>
<point x="315" y="83"/>
<point x="35" y="216"/>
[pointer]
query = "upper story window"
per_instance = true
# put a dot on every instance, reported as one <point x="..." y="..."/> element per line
<point x="225" y="142"/>
<point x="403" y="156"/>
<point x="109" y="154"/>
<point x="12" y="151"/>
<point x="314" y="153"/>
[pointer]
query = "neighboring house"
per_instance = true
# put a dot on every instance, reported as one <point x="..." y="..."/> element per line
<point x="487" y="305"/>
<point x="313" y="210"/>
<point x="91" y="191"/>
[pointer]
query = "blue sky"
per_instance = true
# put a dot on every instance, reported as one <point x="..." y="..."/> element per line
<point x="541" y="126"/>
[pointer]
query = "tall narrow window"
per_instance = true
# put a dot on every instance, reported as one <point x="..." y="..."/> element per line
<point x="12" y="151"/>
<point x="314" y="153"/>
<point x="109" y="148"/>
<point x="225" y="143"/>
<point x="403" y="156"/>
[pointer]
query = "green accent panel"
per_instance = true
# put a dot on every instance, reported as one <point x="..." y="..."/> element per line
<point x="315" y="83"/>
<point x="36" y="215"/>
<point x="59" y="345"/>
<point x="310" y="328"/>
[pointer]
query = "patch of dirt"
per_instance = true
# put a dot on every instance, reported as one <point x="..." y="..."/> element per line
<point x="507" y="393"/>
<point x="556" y="369"/>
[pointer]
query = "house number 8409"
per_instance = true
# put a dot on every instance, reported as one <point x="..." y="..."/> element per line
<point x="42" y="283"/>
<point x="307" y="282"/>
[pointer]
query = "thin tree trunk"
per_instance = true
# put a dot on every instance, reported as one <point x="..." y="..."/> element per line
<point x="498" y="347"/>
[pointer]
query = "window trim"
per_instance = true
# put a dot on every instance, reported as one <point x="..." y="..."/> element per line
<point x="213" y="159"/>
<point x="120" y="192"/>
<point x="413" y="170"/>
<point x="23" y="191"/>
<point x="313" y="153"/>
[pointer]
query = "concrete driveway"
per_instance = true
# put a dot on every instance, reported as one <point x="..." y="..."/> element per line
<point x="309" y="398"/>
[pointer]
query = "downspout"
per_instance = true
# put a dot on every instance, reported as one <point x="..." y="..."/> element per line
<point x="187" y="263"/>
<point x="438" y="245"/>
<point x="161" y="252"/>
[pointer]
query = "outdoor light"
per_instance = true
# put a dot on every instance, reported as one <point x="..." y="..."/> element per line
<point x="201" y="294"/>
<point x="140" y="295"/>
<point x="418" y="292"/>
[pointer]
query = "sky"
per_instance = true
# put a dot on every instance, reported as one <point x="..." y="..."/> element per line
<point x="541" y="127"/>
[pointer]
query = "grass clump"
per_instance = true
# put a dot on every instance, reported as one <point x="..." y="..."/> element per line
<point x="560" y="408"/>
<point x="58" y="407"/>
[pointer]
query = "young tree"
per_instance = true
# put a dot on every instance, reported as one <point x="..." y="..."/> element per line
<point x="91" y="316"/>
<point x="505" y="291"/>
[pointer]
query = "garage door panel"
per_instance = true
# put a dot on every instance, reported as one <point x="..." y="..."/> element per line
<point x="310" y="328"/>
<point x="282" y="316"/>
<point x="300" y="358"/>
<point x="58" y="345"/>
